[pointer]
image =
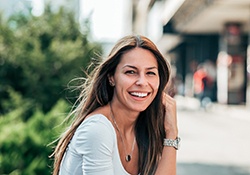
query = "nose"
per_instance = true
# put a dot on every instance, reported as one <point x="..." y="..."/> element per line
<point x="142" y="80"/>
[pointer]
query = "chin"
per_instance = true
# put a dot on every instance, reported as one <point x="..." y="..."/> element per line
<point x="141" y="109"/>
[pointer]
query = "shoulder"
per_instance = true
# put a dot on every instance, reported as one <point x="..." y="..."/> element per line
<point x="95" y="130"/>
<point x="94" y="142"/>
<point x="95" y="123"/>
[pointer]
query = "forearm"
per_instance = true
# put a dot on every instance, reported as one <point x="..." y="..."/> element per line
<point x="167" y="164"/>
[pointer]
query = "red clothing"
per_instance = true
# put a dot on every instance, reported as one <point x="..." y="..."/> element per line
<point x="199" y="75"/>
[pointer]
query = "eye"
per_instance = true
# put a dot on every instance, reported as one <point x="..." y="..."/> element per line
<point x="151" y="73"/>
<point x="130" y="72"/>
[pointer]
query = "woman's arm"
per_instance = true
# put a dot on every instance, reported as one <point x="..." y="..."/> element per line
<point x="167" y="164"/>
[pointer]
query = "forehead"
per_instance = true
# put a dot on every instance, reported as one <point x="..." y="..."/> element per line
<point x="139" y="57"/>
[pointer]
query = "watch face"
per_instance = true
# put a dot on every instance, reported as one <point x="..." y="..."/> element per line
<point x="177" y="142"/>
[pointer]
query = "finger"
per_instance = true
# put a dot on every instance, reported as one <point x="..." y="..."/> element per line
<point x="167" y="99"/>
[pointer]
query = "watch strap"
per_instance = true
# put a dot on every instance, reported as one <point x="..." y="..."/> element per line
<point x="172" y="142"/>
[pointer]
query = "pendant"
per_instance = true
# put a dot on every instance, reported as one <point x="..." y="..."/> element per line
<point x="128" y="158"/>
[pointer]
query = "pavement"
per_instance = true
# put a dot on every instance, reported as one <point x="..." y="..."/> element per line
<point x="215" y="140"/>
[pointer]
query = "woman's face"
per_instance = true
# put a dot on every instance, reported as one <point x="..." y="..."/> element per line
<point x="136" y="80"/>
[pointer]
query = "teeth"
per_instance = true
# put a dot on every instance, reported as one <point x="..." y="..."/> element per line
<point x="139" y="94"/>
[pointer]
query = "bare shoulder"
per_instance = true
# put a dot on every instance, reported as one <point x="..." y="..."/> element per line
<point x="104" y="110"/>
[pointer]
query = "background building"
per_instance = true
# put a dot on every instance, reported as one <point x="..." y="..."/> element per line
<point x="213" y="34"/>
<point x="208" y="34"/>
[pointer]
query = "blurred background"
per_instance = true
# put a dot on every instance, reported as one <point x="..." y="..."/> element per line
<point x="44" y="44"/>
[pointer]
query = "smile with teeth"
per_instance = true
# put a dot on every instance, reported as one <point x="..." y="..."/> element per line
<point x="139" y="94"/>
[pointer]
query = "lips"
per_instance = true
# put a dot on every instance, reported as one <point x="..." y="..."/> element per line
<point x="139" y="94"/>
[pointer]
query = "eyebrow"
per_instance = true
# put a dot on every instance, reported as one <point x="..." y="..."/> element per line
<point x="133" y="67"/>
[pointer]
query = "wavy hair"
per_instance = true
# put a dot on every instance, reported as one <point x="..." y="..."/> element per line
<point x="96" y="92"/>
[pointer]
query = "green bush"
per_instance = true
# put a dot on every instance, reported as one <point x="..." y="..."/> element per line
<point x="24" y="145"/>
<point x="40" y="55"/>
<point x="38" y="58"/>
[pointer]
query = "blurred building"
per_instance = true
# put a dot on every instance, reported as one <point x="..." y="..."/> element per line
<point x="193" y="33"/>
<point x="210" y="33"/>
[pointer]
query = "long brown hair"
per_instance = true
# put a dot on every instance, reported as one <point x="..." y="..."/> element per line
<point x="97" y="92"/>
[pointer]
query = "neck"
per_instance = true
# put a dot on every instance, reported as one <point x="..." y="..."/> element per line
<point x="124" y="119"/>
<point x="124" y="140"/>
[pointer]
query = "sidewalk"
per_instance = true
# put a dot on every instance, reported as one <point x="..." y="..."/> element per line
<point x="193" y="104"/>
<point x="209" y="169"/>
<point x="215" y="141"/>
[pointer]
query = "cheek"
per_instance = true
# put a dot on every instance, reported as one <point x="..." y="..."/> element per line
<point x="155" y="84"/>
<point x="123" y="83"/>
<point x="156" y="87"/>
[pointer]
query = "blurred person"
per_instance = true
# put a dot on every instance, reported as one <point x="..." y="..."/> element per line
<point x="202" y="85"/>
<point x="124" y="123"/>
<point x="198" y="77"/>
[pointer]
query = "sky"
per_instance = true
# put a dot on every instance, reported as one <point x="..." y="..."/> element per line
<point x="106" y="17"/>
<point x="38" y="7"/>
<point x="107" y="20"/>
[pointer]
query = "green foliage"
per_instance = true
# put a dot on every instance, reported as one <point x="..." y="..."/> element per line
<point x="38" y="58"/>
<point x="24" y="145"/>
<point x="40" y="55"/>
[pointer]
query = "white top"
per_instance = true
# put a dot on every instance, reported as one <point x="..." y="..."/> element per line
<point x="93" y="150"/>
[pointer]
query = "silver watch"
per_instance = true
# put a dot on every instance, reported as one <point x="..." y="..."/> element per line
<point x="172" y="143"/>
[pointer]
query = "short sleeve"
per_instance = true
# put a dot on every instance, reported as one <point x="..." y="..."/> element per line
<point x="95" y="141"/>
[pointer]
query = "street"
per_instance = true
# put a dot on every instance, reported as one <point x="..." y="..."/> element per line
<point x="215" y="141"/>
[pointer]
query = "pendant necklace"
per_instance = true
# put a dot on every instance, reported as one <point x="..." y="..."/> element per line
<point x="128" y="157"/>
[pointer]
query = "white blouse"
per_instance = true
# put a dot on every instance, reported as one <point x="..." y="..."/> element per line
<point x="93" y="150"/>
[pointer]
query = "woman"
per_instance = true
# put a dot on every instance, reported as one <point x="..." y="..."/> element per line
<point x="124" y="117"/>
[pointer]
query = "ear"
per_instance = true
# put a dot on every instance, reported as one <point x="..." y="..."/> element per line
<point x="111" y="80"/>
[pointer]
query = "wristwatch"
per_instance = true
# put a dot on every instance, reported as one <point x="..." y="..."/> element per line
<point x="172" y="143"/>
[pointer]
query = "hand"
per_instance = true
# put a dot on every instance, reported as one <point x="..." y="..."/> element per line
<point x="170" y="121"/>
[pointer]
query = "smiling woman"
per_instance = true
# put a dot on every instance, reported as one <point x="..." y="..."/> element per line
<point x="136" y="80"/>
<point x="124" y="121"/>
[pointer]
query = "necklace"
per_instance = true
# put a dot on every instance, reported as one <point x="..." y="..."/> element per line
<point x="128" y="157"/>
